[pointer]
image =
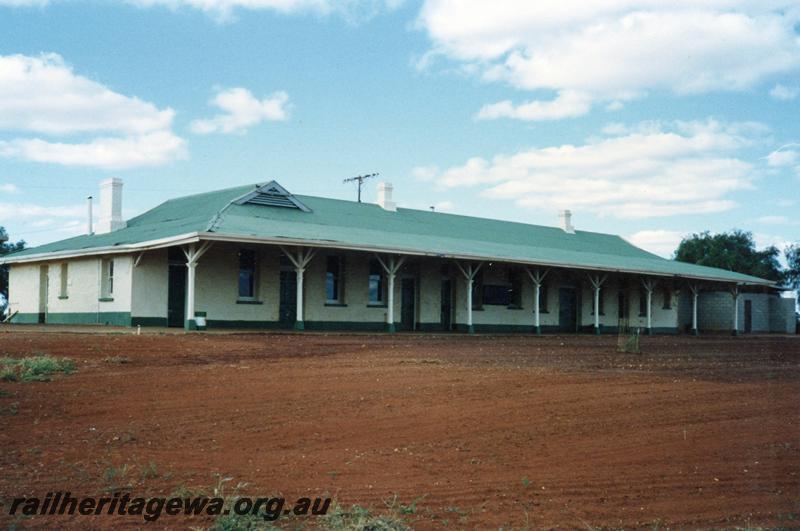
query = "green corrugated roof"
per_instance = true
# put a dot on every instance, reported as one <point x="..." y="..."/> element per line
<point x="348" y="223"/>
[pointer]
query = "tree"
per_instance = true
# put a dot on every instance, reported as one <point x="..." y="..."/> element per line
<point x="734" y="251"/>
<point x="6" y="247"/>
<point x="792" y="274"/>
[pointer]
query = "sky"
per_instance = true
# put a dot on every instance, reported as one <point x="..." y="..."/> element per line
<point x="652" y="120"/>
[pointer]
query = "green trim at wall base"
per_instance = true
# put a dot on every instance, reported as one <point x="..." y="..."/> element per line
<point x="695" y="332"/>
<point x="355" y="326"/>
<point x="391" y="328"/>
<point x="299" y="325"/>
<point x="28" y="318"/>
<point x="149" y="321"/>
<point x="190" y="324"/>
<point x="261" y="325"/>
<point x="78" y="318"/>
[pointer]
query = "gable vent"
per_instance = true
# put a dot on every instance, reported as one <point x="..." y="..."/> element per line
<point x="272" y="195"/>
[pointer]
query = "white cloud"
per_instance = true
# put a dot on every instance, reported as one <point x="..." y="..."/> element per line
<point x="651" y="170"/>
<point x="9" y="188"/>
<point x="425" y="173"/>
<point x="350" y="10"/>
<point x="444" y="206"/>
<point x="773" y="220"/>
<point x="568" y="104"/>
<point x="152" y="149"/>
<point x="784" y="93"/>
<point x="616" y="51"/>
<point x="783" y="157"/>
<point x="242" y="110"/>
<point x="25" y="211"/>
<point x="660" y="242"/>
<point x="43" y="95"/>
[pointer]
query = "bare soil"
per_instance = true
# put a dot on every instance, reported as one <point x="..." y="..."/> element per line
<point x="484" y="431"/>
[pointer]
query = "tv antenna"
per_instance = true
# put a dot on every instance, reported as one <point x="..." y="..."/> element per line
<point x="360" y="180"/>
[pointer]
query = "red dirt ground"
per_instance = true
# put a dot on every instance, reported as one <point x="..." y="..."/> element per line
<point x="491" y="430"/>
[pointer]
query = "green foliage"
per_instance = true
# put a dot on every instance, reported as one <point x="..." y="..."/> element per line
<point x="734" y="251"/>
<point x="792" y="279"/>
<point x="34" y="368"/>
<point x="7" y="247"/>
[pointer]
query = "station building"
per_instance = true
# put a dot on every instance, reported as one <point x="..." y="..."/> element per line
<point x="259" y="257"/>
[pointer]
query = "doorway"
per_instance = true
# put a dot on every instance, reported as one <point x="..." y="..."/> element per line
<point x="407" y="293"/>
<point x="446" y="317"/>
<point x="176" y="288"/>
<point x="748" y="316"/>
<point x="287" y="309"/>
<point x="44" y="288"/>
<point x="567" y="310"/>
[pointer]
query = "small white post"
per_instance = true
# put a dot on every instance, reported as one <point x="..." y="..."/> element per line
<point x="470" y="271"/>
<point x="597" y="283"/>
<point x="299" y="322"/>
<point x="649" y="286"/>
<point x="193" y="254"/>
<point x="391" y="266"/>
<point x="735" y="296"/>
<point x="695" y="289"/>
<point x="537" y="276"/>
<point x="90" y="223"/>
<point x="300" y="259"/>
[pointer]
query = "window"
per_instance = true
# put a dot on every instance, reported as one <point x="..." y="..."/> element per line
<point x="107" y="278"/>
<point x="499" y="295"/>
<point x="543" y="298"/>
<point x="247" y="274"/>
<point x="477" y="291"/>
<point x="376" y="284"/>
<point x="63" y="280"/>
<point x="515" y="294"/>
<point x="667" y="299"/>
<point x="333" y="280"/>
<point x="600" y="301"/>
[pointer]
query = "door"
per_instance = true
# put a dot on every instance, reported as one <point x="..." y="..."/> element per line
<point x="44" y="287"/>
<point x="287" y="311"/>
<point x="567" y="310"/>
<point x="407" y="304"/>
<point x="748" y="316"/>
<point x="176" y="295"/>
<point x="447" y="305"/>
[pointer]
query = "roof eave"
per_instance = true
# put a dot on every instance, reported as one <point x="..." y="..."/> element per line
<point x="160" y="243"/>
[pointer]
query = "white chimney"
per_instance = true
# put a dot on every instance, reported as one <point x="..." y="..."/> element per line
<point x="110" y="218"/>
<point x="565" y="219"/>
<point x="90" y="228"/>
<point x="385" y="197"/>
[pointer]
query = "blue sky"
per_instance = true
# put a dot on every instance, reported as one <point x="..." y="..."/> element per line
<point x="646" y="121"/>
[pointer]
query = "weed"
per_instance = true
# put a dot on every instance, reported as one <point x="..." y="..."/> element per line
<point x="4" y="393"/>
<point x="116" y="477"/>
<point x="36" y="368"/>
<point x="116" y="360"/>
<point x="526" y="482"/>
<point x="12" y="409"/>
<point x="150" y="471"/>
<point x="8" y="373"/>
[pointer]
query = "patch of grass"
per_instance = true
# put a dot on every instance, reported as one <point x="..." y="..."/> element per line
<point x="117" y="477"/>
<point x="4" y="393"/>
<point x="357" y="518"/>
<point x="526" y="482"/>
<point x="8" y="373"/>
<point x="36" y="368"/>
<point x="11" y="409"/>
<point x="150" y="470"/>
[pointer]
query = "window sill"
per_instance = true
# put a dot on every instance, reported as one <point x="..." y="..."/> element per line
<point x="106" y="299"/>
<point x="336" y="304"/>
<point x="245" y="301"/>
<point x="62" y="297"/>
<point x="377" y="305"/>
<point x="514" y="308"/>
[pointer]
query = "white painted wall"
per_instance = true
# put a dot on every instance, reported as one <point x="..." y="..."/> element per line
<point x="150" y="285"/>
<point x="23" y="288"/>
